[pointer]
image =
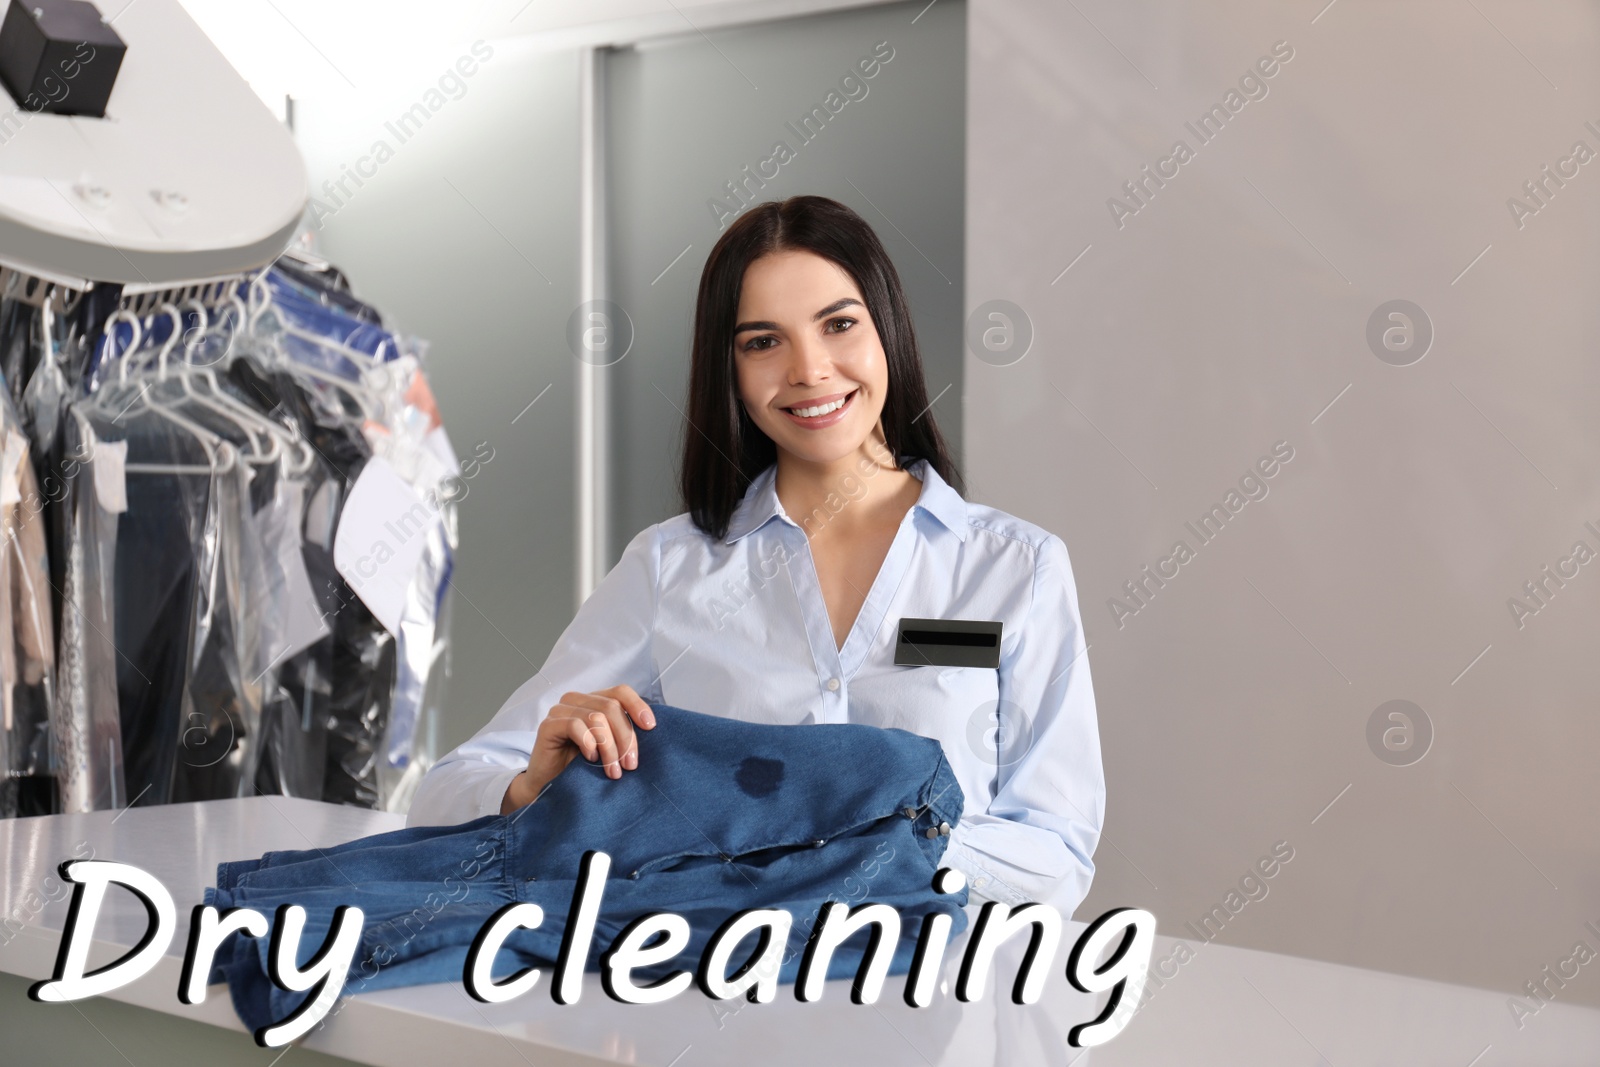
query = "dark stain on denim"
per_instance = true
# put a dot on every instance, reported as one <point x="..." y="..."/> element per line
<point x="759" y="777"/>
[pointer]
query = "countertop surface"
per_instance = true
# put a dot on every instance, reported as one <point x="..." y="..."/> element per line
<point x="1223" y="1005"/>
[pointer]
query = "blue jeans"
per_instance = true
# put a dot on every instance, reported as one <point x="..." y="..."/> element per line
<point x="720" y="816"/>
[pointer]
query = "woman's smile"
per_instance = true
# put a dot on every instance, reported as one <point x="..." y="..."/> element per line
<point x="818" y="412"/>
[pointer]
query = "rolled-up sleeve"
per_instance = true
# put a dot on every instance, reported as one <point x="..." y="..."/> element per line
<point x="1037" y="838"/>
<point x="607" y="643"/>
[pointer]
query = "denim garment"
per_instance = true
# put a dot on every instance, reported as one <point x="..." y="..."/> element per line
<point x="738" y="624"/>
<point x="721" y="815"/>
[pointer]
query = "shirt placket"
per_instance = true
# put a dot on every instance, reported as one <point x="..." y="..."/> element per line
<point x="835" y="666"/>
<point x="832" y="685"/>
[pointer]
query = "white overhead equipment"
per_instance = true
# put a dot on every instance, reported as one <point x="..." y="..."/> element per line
<point x="187" y="177"/>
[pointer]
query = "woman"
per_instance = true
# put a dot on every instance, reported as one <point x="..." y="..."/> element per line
<point x="821" y="513"/>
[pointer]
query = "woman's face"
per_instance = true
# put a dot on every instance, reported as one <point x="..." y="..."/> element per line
<point x="811" y="369"/>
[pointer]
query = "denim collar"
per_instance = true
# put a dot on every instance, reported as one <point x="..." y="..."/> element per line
<point x="760" y="504"/>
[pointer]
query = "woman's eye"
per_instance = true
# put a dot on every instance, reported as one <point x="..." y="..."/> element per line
<point x="840" y="325"/>
<point x="756" y="344"/>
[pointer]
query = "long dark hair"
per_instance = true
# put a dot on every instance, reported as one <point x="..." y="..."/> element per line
<point x="723" y="450"/>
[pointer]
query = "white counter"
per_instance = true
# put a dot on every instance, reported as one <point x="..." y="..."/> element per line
<point x="1226" y="1006"/>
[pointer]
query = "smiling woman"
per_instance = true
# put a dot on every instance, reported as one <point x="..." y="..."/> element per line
<point x="822" y="503"/>
<point x="822" y="264"/>
<point x="802" y="375"/>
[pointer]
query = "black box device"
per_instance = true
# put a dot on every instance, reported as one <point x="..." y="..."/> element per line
<point x="59" y="56"/>
<point x="947" y="643"/>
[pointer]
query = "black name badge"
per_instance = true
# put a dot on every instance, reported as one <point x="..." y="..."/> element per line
<point x="947" y="643"/>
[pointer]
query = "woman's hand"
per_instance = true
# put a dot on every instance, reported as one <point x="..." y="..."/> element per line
<point x="600" y="725"/>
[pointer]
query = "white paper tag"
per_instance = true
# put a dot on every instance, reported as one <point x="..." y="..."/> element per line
<point x="382" y="530"/>
<point x="438" y="442"/>
<point x="16" y="454"/>
<point x="110" y="474"/>
<point x="428" y="473"/>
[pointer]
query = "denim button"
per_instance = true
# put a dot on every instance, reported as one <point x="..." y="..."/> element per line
<point x="818" y="843"/>
<point x="944" y="829"/>
<point x="634" y="876"/>
<point x="931" y="833"/>
<point x="911" y="813"/>
<point x="726" y="858"/>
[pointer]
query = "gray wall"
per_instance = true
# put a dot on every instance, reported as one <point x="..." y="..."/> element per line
<point x="688" y="113"/>
<point x="1226" y="314"/>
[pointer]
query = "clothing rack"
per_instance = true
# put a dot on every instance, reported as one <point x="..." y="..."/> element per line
<point x="156" y="550"/>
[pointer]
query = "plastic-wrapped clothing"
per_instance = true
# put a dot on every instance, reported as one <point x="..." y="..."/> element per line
<point x="328" y="288"/>
<point x="218" y="747"/>
<point x="18" y="345"/>
<point x="402" y="425"/>
<point x="291" y="747"/>
<point x="158" y="578"/>
<point x="311" y="314"/>
<point x="85" y="724"/>
<point x="27" y="633"/>
<point x="187" y="662"/>
<point x="418" y="653"/>
<point x="253" y="666"/>
<point x="27" y="636"/>
<point x="331" y="703"/>
<point x="720" y="816"/>
<point x="413" y="442"/>
<point x="64" y="746"/>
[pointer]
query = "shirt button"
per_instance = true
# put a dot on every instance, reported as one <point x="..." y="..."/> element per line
<point x="980" y="883"/>
<point x="833" y="685"/>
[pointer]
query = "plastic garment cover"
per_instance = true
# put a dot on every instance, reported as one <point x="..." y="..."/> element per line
<point x="27" y="632"/>
<point x="293" y="620"/>
<point x="399" y="421"/>
<point x="85" y="726"/>
<point x="253" y="607"/>
<point x="163" y="544"/>
<point x="423" y="651"/>
<point x="413" y="441"/>
<point x="363" y="671"/>
<point x="327" y="711"/>
<point x="300" y="319"/>
<point x="186" y="598"/>
<point x="18" y="326"/>
<point x="173" y="624"/>
<point x="296" y="704"/>
<point x="217" y="747"/>
<point x="267" y="503"/>
<point x="28" y="620"/>
<point x="327" y="288"/>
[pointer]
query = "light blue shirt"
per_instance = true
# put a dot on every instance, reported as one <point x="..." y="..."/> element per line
<point x="737" y="626"/>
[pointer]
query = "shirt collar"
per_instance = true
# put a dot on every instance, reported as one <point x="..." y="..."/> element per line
<point x="760" y="504"/>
